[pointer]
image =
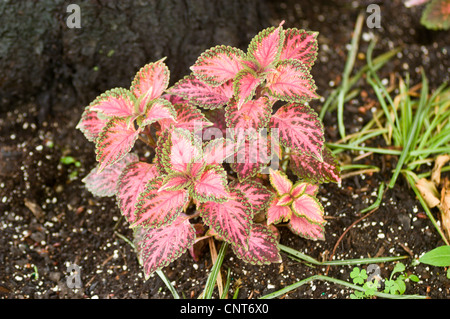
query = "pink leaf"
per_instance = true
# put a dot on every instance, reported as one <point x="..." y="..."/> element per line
<point x="291" y="82"/>
<point x="188" y="117"/>
<point x="300" y="45"/>
<point x="217" y="117"/>
<point x="309" y="207"/>
<point x="91" y="124"/>
<point x="256" y="193"/>
<point x="160" y="109"/>
<point x="277" y="214"/>
<point x="280" y="182"/>
<point x="218" y="65"/>
<point x="231" y="220"/>
<point x="114" y="142"/>
<point x="117" y="102"/>
<point x="104" y="183"/>
<point x="178" y="149"/>
<point x="150" y="82"/>
<point x="298" y="189"/>
<point x="302" y="227"/>
<point x="245" y="85"/>
<point x="310" y="169"/>
<point x="262" y="247"/>
<point x="201" y="94"/>
<point x="212" y="185"/>
<point x="131" y="184"/>
<point x="266" y="46"/>
<point x="176" y="181"/>
<point x="158" y="247"/>
<point x="159" y="208"/>
<point x="219" y="150"/>
<point x="285" y="200"/>
<point x="300" y="129"/>
<point x="253" y="153"/>
<point x="254" y="114"/>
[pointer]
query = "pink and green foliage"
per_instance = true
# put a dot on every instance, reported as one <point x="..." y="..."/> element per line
<point x="436" y="15"/>
<point x="213" y="138"/>
<point x="296" y="204"/>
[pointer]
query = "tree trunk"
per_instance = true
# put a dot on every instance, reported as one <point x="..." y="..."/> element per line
<point x="42" y="59"/>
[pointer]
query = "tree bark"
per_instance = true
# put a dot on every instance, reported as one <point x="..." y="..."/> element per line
<point x="44" y="60"/>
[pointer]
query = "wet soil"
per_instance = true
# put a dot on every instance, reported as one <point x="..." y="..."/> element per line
<point x="49" y="221"/>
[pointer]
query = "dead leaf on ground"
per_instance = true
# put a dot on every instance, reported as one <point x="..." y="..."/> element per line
<point x="429" y="192"/>
<point x="445" y="207"/>
<point x="35" y="209"/>
<point x="440" y="161"/>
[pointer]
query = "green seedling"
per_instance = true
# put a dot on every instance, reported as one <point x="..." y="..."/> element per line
<point x="394" y="285"/>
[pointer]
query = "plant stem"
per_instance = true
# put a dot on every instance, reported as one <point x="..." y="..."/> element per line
<point x="339" y="282"/>
<point x="360" y="261"/>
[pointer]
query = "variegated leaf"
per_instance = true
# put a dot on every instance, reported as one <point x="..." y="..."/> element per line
<point x="217" y="117"/>
<point x="232" y="219"/>
<point x="176" y="181"/>
<point x="300" y="45"/>
<point x="131" y="184"/>
<point x="265" y="47"/>
<point x="212" y="185"/>
<point x="219" y="150"/>
<point x="201" y="94"/>
<point x="252" y="155"/>
<point x="436" y="15"/>
<point x="218" y="65"/>
<point x="158" y="247"/>
<point x="150" y="82"/>
<point x="280" y="182"/>
<point x="104" y="183"/>
<point x="117" y="102"/>
<point x="262" y="247"/>
<point x="114" y="142"/>
<point x="177" y="149"/>
<point x="277" y="213"/>
<point x="304" y="228"/>
<point x="91" y="124"/>
<point x="159" y="109"/>
<point x="245" y="84"/>
<point x="291" y="82"/>
<point x="254" y="114"/>
<point x="159" y="208"/>
<point x="300" y="129"/>
<point x="188" y="117"/>
<point x="299" y="189"/>
<point x="310" y="169"/>
<point x="309" y="207"/>
<point x="256" y="193"/>
<point x="285" y="200"/>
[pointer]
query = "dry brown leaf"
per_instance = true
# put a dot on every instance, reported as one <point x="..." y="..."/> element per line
<point x="35" y="209"/>
<point x="440" y="161"/>
<point x="428" y="191"/>
<point x="445" y="207"/>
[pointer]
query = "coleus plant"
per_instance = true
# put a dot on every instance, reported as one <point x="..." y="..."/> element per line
<point x="254" y="104"/>
<point x="436" y="15"/>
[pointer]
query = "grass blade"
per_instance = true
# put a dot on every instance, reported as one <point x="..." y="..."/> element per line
<point x="347" y="71"/>
<point x="211" y="282"/>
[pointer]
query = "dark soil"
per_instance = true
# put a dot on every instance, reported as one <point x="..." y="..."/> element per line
<point x="50" y="221"/>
